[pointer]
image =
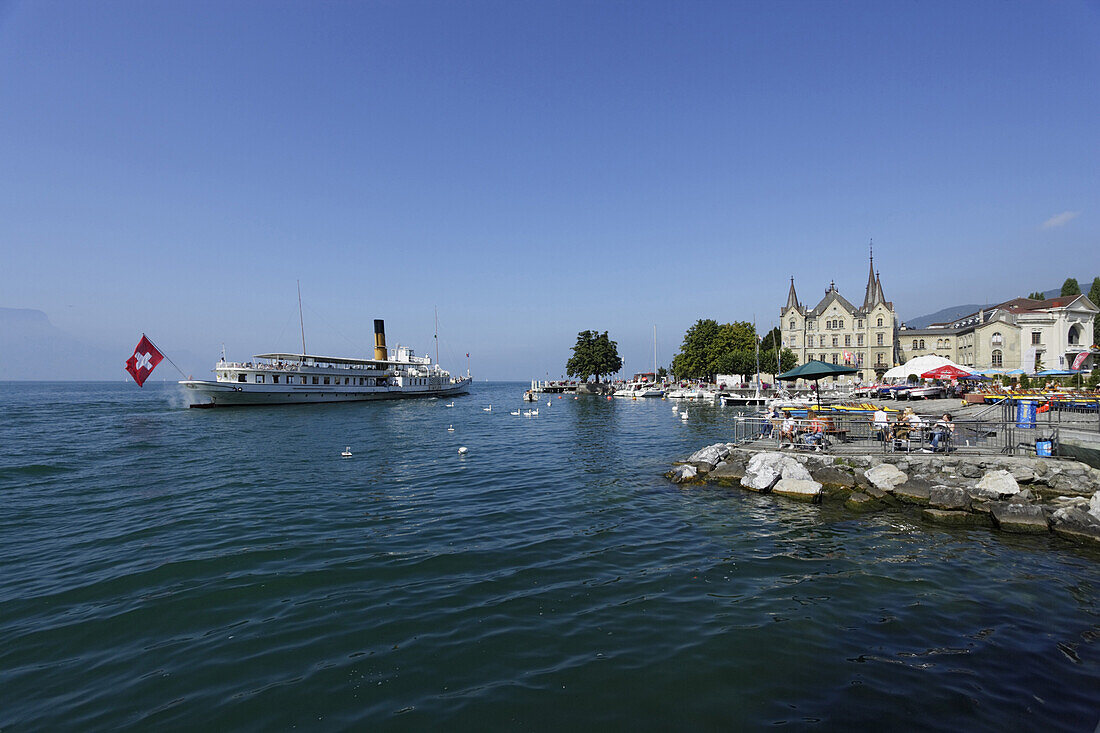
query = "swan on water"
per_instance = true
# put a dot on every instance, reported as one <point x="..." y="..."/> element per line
<point x="515" y="412"/>
<point x="462" y="451"/>
<point x="487" y="409"/>
<point x="450" y="405"/>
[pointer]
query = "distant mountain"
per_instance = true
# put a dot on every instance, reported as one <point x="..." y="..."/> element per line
<point x="957" y="311"/>
<point x="944" y="315"/>
<point x="33" y="348"/>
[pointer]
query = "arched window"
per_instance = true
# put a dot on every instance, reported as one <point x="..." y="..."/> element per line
<point x="880" y="322"/>
<point x="914" y="344"/>
<point x="996" y="340"/>
<point x="1075" y="334"/>
<point x="947" y="343"/>
<point x="840" y="323"/>
<point x="997" y="360"/>
<point x="922" y="343"/>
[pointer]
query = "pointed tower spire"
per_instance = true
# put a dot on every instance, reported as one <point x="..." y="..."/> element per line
<point x="792" y="297"/>
<point x="879" y="297"/>
<point x="869" y="296"/>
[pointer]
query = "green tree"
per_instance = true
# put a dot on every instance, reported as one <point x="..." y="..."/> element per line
<point x="1094" y="291"/>
<point x="787" y="360"/>
<point x="692" y="362"/>
<point x="771" y="339"/>
<point x="1070" y="287"/>
<point x="1036" y="296"/>
<point x="594" y="354"/>
<point x="661" y="372"/>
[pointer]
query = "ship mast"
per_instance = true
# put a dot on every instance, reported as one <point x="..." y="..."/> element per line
<point x="301" y="321"/>
<point x="437" y="335"/>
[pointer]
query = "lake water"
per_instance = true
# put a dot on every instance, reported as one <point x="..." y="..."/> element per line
<point x="212" y="569"/>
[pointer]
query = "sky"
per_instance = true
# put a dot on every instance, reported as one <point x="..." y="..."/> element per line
<point x="532" y="170"/>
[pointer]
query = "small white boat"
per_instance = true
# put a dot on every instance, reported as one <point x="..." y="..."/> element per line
<point x="450" y="428"/>
<point x="346" y="453"/>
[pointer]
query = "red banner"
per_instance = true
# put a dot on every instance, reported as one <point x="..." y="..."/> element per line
<point x="1079" y="360"/>
<point x="144" y="360"/>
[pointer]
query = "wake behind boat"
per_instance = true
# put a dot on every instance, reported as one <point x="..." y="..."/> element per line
<point x="288" y="379"/>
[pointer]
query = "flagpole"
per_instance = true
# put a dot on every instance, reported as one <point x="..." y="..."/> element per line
<point x="167" y="358"/>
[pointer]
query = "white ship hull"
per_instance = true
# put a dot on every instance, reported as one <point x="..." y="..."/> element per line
<point x="205" y="393"/>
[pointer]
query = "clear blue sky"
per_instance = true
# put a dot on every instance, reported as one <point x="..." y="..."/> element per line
<point x="533" y="169"/>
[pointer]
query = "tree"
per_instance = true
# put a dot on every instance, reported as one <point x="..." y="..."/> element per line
<point x="710" y="348"/>
<point x="661" y="372"/>
<point x="1036" y="296"/>
<point x="594" y="354"/>
<point x="788" y="360"/>
<point x="771" y="339"/>
<point x="1070" y="287"/>
<point x="1094" y="291"/>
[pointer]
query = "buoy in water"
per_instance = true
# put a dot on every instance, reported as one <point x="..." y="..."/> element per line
<point x="462" y="451"/>
<point x="346" y="452"/>
<point x="609" y="397"/>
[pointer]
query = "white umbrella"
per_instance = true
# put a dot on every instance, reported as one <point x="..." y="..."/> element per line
<point x="921" y="364"/>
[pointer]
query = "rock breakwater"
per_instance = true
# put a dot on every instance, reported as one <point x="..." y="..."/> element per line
<point x="1010" y="493"/>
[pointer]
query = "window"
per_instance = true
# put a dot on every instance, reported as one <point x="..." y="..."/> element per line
<point x="809" y="340"/>
<point x="274" y="378"/>
<point x="326" y="380"/>
<point x="835" y="358"/>
<point x="914" y="344"/>
<point x="859" y="323"/>
<point x="1036" y="338"/>
<point x="794" y="341"/>
<point x="947" y="343"/>
<point x="847" y="340"/>
<point x="879" y="339"/>
<point x="347" y="380"/>
<point x="859" y="340"/>
<point x="1075" y="334"/>
<point x="834" y="341"/>
<point x="997" y="360"/>
<point x="880" y="356"/>
<point x="259" y="379"/>
<point x="922" y="343"/>
<point x="315" y="380"/>
<point x="792" y="324"/>
<point x="305" y="380"/>
<point x="242" y="377"/>
<point x="880" y="322"/>
<point x="840" y="323"/>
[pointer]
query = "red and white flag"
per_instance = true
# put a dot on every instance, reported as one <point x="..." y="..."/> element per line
<point x="1080" y="360"/>
<point x="144" y="361"/>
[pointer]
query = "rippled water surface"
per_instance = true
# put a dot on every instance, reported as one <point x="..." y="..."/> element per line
<point x="226" y="568"/>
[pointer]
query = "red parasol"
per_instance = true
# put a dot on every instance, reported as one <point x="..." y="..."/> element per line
<point x="946" y="371"/>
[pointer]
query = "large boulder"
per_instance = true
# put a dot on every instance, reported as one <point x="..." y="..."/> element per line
<point x="860" y="502"/>
<point x="797" y="488"/>
<point x="765" y="469"/>
<point x="683" y="474"/>
<point x="729" y="471"/>
<point x="999" y="482"/>
<point x="833" y="476"/>
<point x="948" y="498"/>
<point x="886" y="476"/>
<point x="913" y="493"/>
<point x="712" y="454"/>
<point x="1020" y="518"/>
<point x="1076" y="524"/>
<point x="946" y="516"/>
<point x="1094" y="505"/>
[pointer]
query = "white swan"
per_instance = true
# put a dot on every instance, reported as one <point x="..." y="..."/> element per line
<point x="450" y="405"/>
<point x="516" y="412"/>
<point x="487" y="409"/>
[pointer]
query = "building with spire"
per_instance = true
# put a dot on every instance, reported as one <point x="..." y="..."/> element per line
<point x="838" y="332"/>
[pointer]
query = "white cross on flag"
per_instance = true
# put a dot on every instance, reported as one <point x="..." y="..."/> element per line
<point x="144" y="361"/>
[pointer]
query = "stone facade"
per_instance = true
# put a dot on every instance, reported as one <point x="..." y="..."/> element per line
<point x="1017" y="334"/>
<point x="838" y="332"/>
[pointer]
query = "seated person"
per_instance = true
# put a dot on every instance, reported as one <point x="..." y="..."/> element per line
<point x="786" y="431"/>
<point x="816" y="434"/>
<point x="941" y="432"/>
<point x="881" y="424"/>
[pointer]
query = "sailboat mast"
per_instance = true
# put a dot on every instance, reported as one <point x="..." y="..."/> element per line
<point x="654" y="352"/>
<point x="301" y="320"/>
<point x="437" y="335"/>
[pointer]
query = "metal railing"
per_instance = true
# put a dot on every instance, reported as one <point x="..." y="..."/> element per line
<point x="859" y="434"/>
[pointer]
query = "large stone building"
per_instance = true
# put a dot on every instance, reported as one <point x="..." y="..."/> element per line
<point x="838" y="332"/>
<point x="1017" y="334"/>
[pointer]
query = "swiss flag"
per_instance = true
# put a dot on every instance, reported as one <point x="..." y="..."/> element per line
<point x="144" y="361"/>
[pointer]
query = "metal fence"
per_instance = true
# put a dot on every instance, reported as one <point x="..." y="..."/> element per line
<point x="859" y="434"/>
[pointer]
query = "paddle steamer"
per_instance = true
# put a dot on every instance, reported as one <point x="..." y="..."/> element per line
<point x="282" y="379"/>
